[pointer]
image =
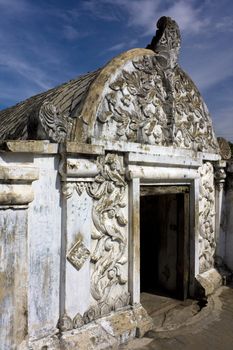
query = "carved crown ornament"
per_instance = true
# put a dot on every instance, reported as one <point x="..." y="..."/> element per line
<point x="150" y="99"/>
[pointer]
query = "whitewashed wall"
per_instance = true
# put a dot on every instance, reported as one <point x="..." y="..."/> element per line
<point x="44" y="235"/>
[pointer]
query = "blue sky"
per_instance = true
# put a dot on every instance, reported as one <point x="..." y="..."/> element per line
<point x="45" y="43"/>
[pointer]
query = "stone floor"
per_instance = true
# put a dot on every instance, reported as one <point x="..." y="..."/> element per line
<point x="187" y="325"/>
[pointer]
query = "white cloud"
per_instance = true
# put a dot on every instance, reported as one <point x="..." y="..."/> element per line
<point x="70" y="33"/>
<point x="25" y="69"/>
<point x="143" y="13"/>
<point x="117" y="47"/>
<point x="187" y="17"/>
<point x="212" y="69"/>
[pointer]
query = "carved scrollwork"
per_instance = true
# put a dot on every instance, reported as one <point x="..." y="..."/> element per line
<point x="79" y="187"/>
<point x="225" y="149"/>
<point x="166" y="42"/>
<point x="151" y="100"/>
<point x="138" y="103"/>
<point x="207" y="242"/>
<point x="109" y="254"/>
<point x="193" y="126"/>
<point x="149" y="104"/>
<point x="56" y="125"/>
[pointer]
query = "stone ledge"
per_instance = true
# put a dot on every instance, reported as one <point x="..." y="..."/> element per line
<point x="83" y="148"/>
<point x="18" y="173"/>
<point x="15" y="184"/>
<point x="29" y="146"/>
<point x="108" y="332"/>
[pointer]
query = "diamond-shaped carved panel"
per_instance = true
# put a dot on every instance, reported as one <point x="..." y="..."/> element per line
<point x="78" y="254"/>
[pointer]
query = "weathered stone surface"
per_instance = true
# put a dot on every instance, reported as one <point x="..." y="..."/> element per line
<point x="210" y="281"/>
<point x="122" y="325"/>
<point x="13" y="278"/>
<point x="29" y="146"/>
<point x="90" y="337"/>
<point x="48" y="343"/>
<point x="143" y="320"/>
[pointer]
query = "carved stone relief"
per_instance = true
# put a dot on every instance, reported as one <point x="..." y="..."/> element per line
<point x="149" y="104"/>
<point x="54" y="124"/>
<point x="109" y="253"/>
<point x="78" y="254"/>
<point x="207" y="242"/>
<point x="109" y="235"/>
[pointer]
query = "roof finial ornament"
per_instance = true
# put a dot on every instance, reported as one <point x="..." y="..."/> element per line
<point x="166" y="41"/>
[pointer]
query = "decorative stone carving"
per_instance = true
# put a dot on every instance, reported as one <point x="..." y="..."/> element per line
<point x="56" y="125"/>
<point x="207" y="243"/>
<point x="65" y="323"/>
<point x="109" y="237"/>
<point x="166" y="42"/>
<point x="78" y="321"/>
<point x="224" y="147"/>
<point x="219" y="176"/>
<point x="78" y="254"/>
<point x="151" y="100"/>
<point x="69" y="188"/>
<point x="110" y="234"/>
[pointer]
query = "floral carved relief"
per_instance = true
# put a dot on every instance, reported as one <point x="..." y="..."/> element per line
<point x="150" y="101"/>
<point x="109" y="233"/>
<point x="108" y="254"/>
<point x="207" y="242"/>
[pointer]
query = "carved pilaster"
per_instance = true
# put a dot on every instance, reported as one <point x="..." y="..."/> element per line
<point x="95" y="243"/>
<point x="220" y="175"/>
<point x="15" y="195"/>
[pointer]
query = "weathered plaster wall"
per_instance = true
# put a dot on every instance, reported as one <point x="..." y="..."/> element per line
<point x="16" y="177"/>
<point x="44" y="248"/>
<point x="13" y="278"/>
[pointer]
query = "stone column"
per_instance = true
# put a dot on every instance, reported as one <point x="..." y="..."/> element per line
<point x="219" y="176"/>
<point x="15" y="195"/>
<point x="229" y="215"/>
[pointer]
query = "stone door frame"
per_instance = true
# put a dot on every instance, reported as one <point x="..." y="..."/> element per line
<point x="134" y="233"/>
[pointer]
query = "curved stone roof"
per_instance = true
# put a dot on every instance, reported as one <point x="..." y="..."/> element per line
<point x="140" y="96"/>
<point x="21" y="121"/>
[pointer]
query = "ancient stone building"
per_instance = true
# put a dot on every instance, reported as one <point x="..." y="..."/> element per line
<point x="111" y="185"/>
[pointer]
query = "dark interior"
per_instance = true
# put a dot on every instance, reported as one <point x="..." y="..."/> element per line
<point x="163" y="245"/>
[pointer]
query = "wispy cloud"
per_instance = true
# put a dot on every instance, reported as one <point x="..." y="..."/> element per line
<point x="122" y="45"/>
<point x="213" y="69"/>
<point x="70" y="33"/>
<point x="142" y="13"/>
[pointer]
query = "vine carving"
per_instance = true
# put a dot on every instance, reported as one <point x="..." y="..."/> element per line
<point x="109" y="224"/>
<point x="207" y="242"/>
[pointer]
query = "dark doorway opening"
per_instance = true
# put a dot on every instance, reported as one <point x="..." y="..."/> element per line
<point x="164" y="240"/>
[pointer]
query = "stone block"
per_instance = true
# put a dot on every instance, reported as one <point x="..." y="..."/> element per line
<point x="210" y="281"/>
<point x="90" y="337"/>
<point x="121" y="325"/>
<point x="143" y="320"/>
